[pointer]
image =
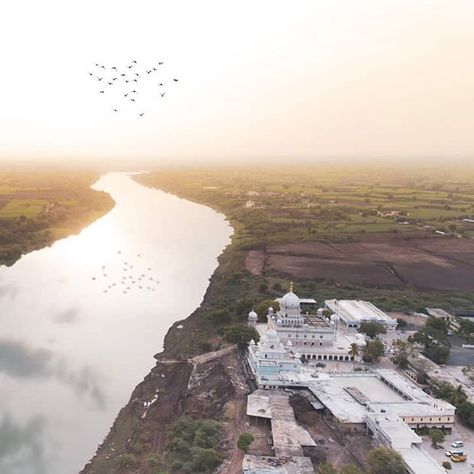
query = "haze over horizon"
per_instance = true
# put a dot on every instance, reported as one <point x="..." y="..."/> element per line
<point x="303" y="79"/>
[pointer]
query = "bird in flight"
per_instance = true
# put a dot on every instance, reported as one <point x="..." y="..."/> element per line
<point x="138" y="74"/>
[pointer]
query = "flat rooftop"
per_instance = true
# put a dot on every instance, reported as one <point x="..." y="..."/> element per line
<point x="357" y="310"/>
<point x="288" y="436"/>
<point x="439" y="313"/>
<point x="371" y="387"/>
<point x="419" y="461"/>
<point x="316" y="321"/>
<point x="350" y="397"/>
<point x="275" y="465"/>
<point x="395" y="430"/>
<point x="415" y="393"/>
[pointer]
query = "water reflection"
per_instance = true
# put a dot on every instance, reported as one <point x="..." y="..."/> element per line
<point x="70" y="352"/>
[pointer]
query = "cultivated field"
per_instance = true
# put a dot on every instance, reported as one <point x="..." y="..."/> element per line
<point x="399" y="236"/>
<point x="429" y="264"/>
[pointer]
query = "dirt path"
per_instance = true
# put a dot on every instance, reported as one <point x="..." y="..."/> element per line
<point x="238" y="372"/>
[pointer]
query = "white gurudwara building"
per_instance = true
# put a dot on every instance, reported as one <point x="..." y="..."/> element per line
<point x="270" y="360"/>
<point x="313" y="336"/>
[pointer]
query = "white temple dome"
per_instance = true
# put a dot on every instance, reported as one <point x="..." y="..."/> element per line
<point x="253" y="315"/>
<point x="290" y="301"/>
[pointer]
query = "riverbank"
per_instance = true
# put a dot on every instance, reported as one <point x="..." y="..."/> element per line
<point x="41" y="205"/>
<point x="183" y="383"/>
<point x="266" y="210"/>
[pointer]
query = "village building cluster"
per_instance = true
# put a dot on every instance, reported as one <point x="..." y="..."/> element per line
<point x="388" y="406"/>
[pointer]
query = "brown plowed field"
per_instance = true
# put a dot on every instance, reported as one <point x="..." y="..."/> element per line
<point x="433" y="263"/>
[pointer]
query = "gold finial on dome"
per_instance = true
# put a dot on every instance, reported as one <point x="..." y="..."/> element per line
<point x="291" y="286"/>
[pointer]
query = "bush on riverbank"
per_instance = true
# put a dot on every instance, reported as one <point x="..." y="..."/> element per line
<point x="194" y="446"/>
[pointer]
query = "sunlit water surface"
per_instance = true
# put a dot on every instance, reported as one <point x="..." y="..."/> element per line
<point x="77" y="332"/>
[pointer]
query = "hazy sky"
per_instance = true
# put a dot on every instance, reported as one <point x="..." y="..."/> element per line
<point x="258" y="78"/>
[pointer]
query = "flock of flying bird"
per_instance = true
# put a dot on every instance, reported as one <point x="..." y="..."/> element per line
<point x="127" y="83"/>
<point x="126" y="278"/>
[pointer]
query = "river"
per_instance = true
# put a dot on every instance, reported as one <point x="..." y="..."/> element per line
<point x="81" y="320"/>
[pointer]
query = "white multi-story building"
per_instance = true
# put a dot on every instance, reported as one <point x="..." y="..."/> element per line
<point x="270" y="360"/>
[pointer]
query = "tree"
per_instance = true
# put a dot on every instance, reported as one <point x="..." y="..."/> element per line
<point x="350" y="469"/>
<point x="374" y="350"/>
<point x="354" y="351"/>
<point x="219" y="316"/>
<point x="244" y="441"/>
<point x="458" y="396"/>
<point x="243" y="307"/>
<point x="437" y="324"/>
<point x="465" y="412"/>
<point x="326" y="468"/>
<point x="262" y="308"/>
<point x="437" y="437"/>
<point x="240" y="335"/>
<point x="402" y="350"/>
<point x="447" y="465"/>
<point x="372" y="329"/>
<point x="435" y="342"/>
<point x="385" y="461"/>
<point x="204" y="459"/>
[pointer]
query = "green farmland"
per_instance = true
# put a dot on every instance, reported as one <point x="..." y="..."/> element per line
<point x="40" y="205"/>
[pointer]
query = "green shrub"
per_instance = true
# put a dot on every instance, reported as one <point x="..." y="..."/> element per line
<point x="244" y="441"/>
<point x="127" y="460"/>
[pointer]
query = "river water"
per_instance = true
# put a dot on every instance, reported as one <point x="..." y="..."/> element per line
<point x="81" y="320"/>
